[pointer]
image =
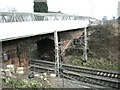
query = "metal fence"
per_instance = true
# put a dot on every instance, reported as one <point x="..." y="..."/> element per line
<point x="23" y="17"/>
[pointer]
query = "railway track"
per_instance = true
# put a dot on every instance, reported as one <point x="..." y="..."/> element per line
<point x="89" y="75"/>
<point x="93" y="79"/>
<point x="98" y="72"/>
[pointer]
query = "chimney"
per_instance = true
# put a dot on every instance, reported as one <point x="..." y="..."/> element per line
<point x="40" y="6"/>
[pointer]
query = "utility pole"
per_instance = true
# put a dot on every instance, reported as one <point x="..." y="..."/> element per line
<point x="56" y="53"/>
<point x="85" y="56"/>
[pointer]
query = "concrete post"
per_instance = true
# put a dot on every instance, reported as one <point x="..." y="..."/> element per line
<point x="56" y="53"/>
<point x="85" y="57"/>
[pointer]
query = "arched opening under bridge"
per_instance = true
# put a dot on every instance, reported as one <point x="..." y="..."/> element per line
<point x="45" y="48"/>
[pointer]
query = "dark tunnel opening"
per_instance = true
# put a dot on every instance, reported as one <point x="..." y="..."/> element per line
<point x="45" y="49"/>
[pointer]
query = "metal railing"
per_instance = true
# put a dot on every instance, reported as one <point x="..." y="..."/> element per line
<point x="23" y="17"/>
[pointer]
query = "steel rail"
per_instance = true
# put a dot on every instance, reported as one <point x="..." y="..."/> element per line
<point x="92" y="79"/>
<point x="79" y="69"/>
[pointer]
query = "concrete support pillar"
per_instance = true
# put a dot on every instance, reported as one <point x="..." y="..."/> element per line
<point x="56" y="53"/>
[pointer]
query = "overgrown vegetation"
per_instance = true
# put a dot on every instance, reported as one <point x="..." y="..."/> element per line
<point x="103" y="42"/>
<point x="24" y="83"/>
<point x="10" y="78"/>
<point x="103" y="46"/>
<point x="94" y="63"/>
<point x="21" y="83"/>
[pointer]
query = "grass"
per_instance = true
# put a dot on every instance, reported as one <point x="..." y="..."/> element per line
<point x="94" y="63"/>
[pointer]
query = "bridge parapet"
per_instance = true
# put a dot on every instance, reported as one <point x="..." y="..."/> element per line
<point x="23" y="17"/>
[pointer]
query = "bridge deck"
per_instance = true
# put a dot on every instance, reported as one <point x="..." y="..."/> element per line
<point x="16" y="30"/>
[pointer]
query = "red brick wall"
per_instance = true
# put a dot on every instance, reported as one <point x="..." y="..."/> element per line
<point x="26" y="44"/>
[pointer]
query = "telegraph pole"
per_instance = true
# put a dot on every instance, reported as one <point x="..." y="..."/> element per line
<point x="56" y="53"/>
<point x="85" y="56"/>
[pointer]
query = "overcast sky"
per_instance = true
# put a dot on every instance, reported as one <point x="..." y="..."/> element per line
<point x="95" y="8"/>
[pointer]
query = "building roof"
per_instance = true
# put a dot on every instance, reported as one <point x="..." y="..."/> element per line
<point x="40" y="0"/>
<point x="17" y="30"/>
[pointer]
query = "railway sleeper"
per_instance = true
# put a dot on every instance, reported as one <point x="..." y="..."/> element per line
<point x="98" y="72"/>
<point x="95" y="80"/>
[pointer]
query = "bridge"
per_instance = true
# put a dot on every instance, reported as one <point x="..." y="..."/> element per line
<point x="55" y="21"/>
<point x="22" y="17"/>
<point x="42" y="33"/>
